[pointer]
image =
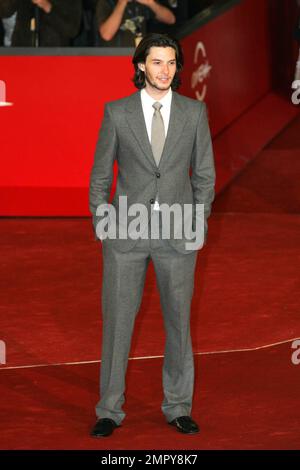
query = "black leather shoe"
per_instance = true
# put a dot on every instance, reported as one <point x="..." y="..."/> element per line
<point x="104" y="427"/>
<point x="185" y="424"/>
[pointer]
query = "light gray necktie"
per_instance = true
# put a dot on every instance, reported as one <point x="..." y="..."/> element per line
<point x="157" y="132"/>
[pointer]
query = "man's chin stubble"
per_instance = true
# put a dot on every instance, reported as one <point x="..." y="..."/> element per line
<point x="157" y="87"/>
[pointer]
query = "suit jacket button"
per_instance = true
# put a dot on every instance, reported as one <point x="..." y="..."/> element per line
<point x="152" y="201"/>
<point x="157" y="174"/>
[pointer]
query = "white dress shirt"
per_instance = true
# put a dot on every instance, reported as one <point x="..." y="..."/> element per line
<point x="148" y="110"/>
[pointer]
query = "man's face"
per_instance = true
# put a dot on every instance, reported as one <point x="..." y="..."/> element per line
<point x="160" y="67"/>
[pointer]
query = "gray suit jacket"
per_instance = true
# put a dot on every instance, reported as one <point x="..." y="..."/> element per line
<point x="185" y="174"/>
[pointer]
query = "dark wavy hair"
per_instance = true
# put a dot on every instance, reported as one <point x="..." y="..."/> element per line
<point x="142" y="51"/>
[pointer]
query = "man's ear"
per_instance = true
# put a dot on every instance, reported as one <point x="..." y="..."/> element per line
<point x="141" y="66"/>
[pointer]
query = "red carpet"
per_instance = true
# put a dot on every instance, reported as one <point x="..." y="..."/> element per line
<point x="246" y="296"/>
<point x="243" y="400"/>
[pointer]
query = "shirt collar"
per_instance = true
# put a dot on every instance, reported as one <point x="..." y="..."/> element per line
<point x="148" y="100"/>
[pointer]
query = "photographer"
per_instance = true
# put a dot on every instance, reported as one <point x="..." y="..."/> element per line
<point x="125" y="22"/>
<point x="58" y="21"/>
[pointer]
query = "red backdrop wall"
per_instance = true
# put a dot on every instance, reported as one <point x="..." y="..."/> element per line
<point x="48" y="136"/>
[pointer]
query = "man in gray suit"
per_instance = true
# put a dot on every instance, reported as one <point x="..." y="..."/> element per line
<point x="161" y="142"/>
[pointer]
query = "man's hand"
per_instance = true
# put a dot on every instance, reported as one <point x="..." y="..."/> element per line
<point x="43" y="4"/>
<point x="162" y="13"/>
<point x="148" y="3"/>
<point x="123" y="2"/>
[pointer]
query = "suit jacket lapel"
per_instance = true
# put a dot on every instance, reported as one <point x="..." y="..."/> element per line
<point x="136" y="122"/>
<point x="177" y="122"/>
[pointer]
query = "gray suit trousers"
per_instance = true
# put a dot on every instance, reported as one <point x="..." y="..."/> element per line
<point x="122" y="289"/>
